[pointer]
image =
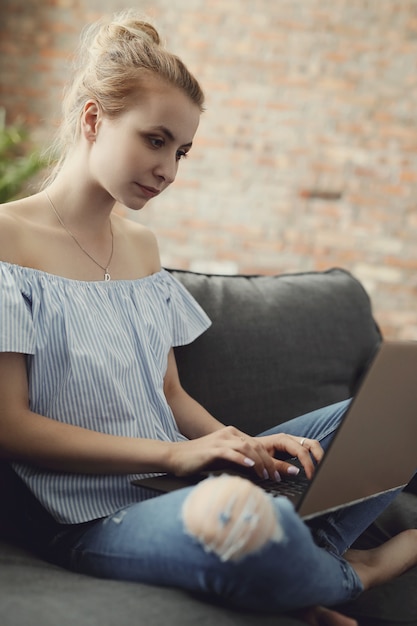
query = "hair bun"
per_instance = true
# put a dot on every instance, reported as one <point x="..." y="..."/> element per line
<point x="149" y="30"/>
<point x="128" y="26"/>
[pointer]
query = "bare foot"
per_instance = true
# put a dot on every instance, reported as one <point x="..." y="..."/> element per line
<point x="389" y="560"/>
<point x="373" y="567"/>
<point x="321" y="616"/>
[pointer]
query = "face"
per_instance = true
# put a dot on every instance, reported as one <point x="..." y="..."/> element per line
<point x="135" y="156"/>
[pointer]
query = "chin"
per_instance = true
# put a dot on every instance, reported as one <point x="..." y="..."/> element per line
<point x="134" y="204"/>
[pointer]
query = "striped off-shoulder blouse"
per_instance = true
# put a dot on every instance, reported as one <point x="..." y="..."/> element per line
<point x="96" y="357"/>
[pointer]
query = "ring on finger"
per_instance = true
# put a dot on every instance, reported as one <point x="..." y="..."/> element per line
<point x="302" y="441"/>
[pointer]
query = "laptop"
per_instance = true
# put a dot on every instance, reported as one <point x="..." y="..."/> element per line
<point x="373" y="451"/>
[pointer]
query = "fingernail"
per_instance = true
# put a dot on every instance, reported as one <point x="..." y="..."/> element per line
<point x="248" y="462"/>
<point x="265" y="473"/>
<point x="293" y="470"/>
<point x="277" y="477"/>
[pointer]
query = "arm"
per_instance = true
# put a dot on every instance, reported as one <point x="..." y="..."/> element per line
<point x="33" y="438"/>
<point x="193" y="420"/>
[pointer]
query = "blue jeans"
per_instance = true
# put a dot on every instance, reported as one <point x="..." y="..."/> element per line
<point x="148" y="542"/>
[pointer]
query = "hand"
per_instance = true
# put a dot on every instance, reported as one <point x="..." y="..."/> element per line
<point x="306" y="450"/>
<point x="229" y="445"/>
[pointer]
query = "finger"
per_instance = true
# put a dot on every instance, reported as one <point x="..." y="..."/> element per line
<point x="287" y="469"/>
<point x="263" y="463"/>
<point x="298" y="447"/>
<point x="306" y="451"/>
<point x="314" y="448"/>
<point x="307" y="462"/>
<point x="227" y="457"/>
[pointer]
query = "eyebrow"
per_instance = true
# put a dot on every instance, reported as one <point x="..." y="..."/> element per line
<point x="163" y="129"/>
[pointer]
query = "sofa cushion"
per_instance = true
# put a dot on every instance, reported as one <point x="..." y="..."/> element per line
<point x="279" y="346"/>
<point x="35" y="593"/>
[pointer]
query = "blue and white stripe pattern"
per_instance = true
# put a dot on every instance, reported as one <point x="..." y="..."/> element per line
<point x="97" y="356"/>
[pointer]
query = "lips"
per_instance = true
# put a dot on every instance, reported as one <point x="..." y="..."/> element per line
<point x="149" y="192"/>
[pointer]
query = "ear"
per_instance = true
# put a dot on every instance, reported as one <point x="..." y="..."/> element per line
<point x="90" y="120"/>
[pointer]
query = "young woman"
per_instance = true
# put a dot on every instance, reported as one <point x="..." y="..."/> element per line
<point x="89" y="390"/>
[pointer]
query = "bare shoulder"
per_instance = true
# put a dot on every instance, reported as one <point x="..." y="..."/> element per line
<point x="141" y="244"/>
<point x="136" y="233"/>
<point x="18" y="223"/>
<point x="10" y="231"/>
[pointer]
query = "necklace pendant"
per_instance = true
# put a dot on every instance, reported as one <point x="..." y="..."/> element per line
<point x="107" y="276"/>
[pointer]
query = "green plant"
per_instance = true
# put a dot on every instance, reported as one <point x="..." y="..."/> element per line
<point x="18" y="163"/>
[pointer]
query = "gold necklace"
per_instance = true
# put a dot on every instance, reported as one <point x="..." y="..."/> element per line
<point x="105" y="269"/>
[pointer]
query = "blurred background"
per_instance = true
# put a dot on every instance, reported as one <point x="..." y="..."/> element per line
<point x="306" y="157"/>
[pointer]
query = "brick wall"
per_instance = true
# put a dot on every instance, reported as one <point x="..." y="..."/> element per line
<point x="306" y="157"/>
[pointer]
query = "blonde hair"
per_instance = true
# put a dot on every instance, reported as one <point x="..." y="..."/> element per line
<point x="115" y="60"/>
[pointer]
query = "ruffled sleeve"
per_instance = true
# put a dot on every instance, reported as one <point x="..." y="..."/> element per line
<point x="16" y="326"/>
<point x="188" y="319"/>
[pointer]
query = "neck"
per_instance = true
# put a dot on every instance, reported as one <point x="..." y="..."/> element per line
<point x="84" y="207"/>
<point x="106" y="267"/>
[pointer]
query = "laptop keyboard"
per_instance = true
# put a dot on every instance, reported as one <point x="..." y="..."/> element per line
<point x="286" y="487"/>
<point x="290" y="486"/>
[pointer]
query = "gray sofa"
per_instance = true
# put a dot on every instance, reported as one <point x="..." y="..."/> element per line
<point x="278" y="347"/>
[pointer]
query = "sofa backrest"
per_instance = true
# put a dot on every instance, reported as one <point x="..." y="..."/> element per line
<point x="279" y="346"/>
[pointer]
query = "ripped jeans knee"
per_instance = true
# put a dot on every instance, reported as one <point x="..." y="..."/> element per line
<point x="231" y="517"/>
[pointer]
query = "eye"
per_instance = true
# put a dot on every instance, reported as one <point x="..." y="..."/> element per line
<point x="181" y="154"/>
<point x="156" y="142"/>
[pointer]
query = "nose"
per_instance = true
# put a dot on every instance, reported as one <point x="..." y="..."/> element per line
<point x="166" y="169"/>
